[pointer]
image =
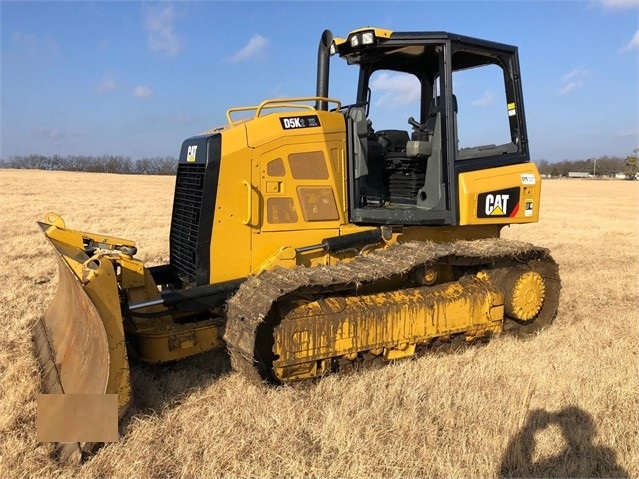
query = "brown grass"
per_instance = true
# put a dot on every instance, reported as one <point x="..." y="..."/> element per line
<point x="563" y="403"/>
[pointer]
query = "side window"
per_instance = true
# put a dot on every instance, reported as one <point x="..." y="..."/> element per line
<point x="483" y="127"/>
<point x="395" y="97"/>
<point x="342" y="84"/>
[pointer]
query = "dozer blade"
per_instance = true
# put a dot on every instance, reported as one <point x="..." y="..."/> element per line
<point x="80" y="339"/>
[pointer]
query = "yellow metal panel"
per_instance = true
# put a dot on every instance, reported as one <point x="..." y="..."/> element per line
<point x="101" y="287"/>
<point x="132" y="273"/>
<point x="234" y="204"/>
<point x="249" y="203"/>
<point x="312" y="164"/>
<point x="268" y="245"/>
<point x="178" y="341"/>
<point x="274" y="187"/>
<point x="442" y="234"/>
<point x="403" y="351"/>
<point x="392" y="322"/>
<point x="504" y="195"/>
<point x="308" y="165"/>
<point x="268" y="128"/>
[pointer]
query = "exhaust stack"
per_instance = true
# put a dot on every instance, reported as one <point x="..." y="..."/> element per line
<point x="323" y="59"/>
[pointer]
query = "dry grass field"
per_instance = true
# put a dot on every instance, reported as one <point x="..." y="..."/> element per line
<point x="561" y="404"/>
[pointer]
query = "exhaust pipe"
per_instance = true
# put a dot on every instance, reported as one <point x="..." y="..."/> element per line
<point x="323" y="59"/>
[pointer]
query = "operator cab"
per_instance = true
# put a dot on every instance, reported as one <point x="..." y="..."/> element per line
<point x="418" y="121"/>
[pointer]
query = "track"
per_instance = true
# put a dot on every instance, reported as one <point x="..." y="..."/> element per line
<point x="249" y="307"/>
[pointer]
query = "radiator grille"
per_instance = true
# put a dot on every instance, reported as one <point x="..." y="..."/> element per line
<point x="187" y="205"/>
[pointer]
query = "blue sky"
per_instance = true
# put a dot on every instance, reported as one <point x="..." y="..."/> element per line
<point x="137" y="78"/>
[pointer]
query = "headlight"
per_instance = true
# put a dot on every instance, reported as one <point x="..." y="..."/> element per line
<point x="360" y="39"/>
<point x="368" y="38"/>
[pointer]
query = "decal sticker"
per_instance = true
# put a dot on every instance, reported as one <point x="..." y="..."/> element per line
<point x="296" y="122"/>
<point x="190" y="154"/>
<point x="527" y="179"/>
<point x="498" y="204"/>
<point x="511" y="109"/>
<point x="529" y="208"/>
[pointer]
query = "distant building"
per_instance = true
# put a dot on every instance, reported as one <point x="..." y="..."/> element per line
<point x="578" y="174"/>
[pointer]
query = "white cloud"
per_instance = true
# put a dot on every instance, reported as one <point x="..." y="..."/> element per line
<point x="572" y="81"/>
<point x="619" y="4"/>
<point x="142" y="92"/>
<point x="158" y="24"/>
<point x="570" y="86"/>
<point x="572" y="75"/>
<point x="253" y="48"/>
<point x="634" y="43"/>
<point x="107" y="84"/>
<point x="397" y="89"/>
<point x="486" y="100"/>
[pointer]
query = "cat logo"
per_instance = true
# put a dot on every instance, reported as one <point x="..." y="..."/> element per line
<point x="498" y="204"/>
<point x="190" y="154"/>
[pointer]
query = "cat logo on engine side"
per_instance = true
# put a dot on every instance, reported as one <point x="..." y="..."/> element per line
<point x="496" y="204"/>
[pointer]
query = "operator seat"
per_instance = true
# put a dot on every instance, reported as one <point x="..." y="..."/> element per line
<point x="422" y="139"/>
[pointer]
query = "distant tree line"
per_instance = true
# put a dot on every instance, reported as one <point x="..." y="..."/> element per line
<point x="96" y="164"/>
<point x="601" y="166"/>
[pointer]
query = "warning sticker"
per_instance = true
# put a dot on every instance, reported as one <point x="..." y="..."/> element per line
<point x="527" y="179"/>
<point x="529" y="208"/>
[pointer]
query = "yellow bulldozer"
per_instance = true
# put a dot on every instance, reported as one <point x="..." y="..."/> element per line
<point x="307" y="235"/>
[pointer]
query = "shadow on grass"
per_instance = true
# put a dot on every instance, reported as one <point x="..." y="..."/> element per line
<point x="157" y="386"/>
<point x="579" y="458"/>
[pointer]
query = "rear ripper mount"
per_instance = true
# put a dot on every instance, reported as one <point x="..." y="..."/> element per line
<point x="273" y="330"/>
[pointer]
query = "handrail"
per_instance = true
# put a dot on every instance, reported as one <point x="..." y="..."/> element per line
<point x="249" y="214"/>
<point x="278" y="103"/>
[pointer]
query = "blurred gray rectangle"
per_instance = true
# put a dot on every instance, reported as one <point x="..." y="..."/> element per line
<point x="77" y="418"/>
